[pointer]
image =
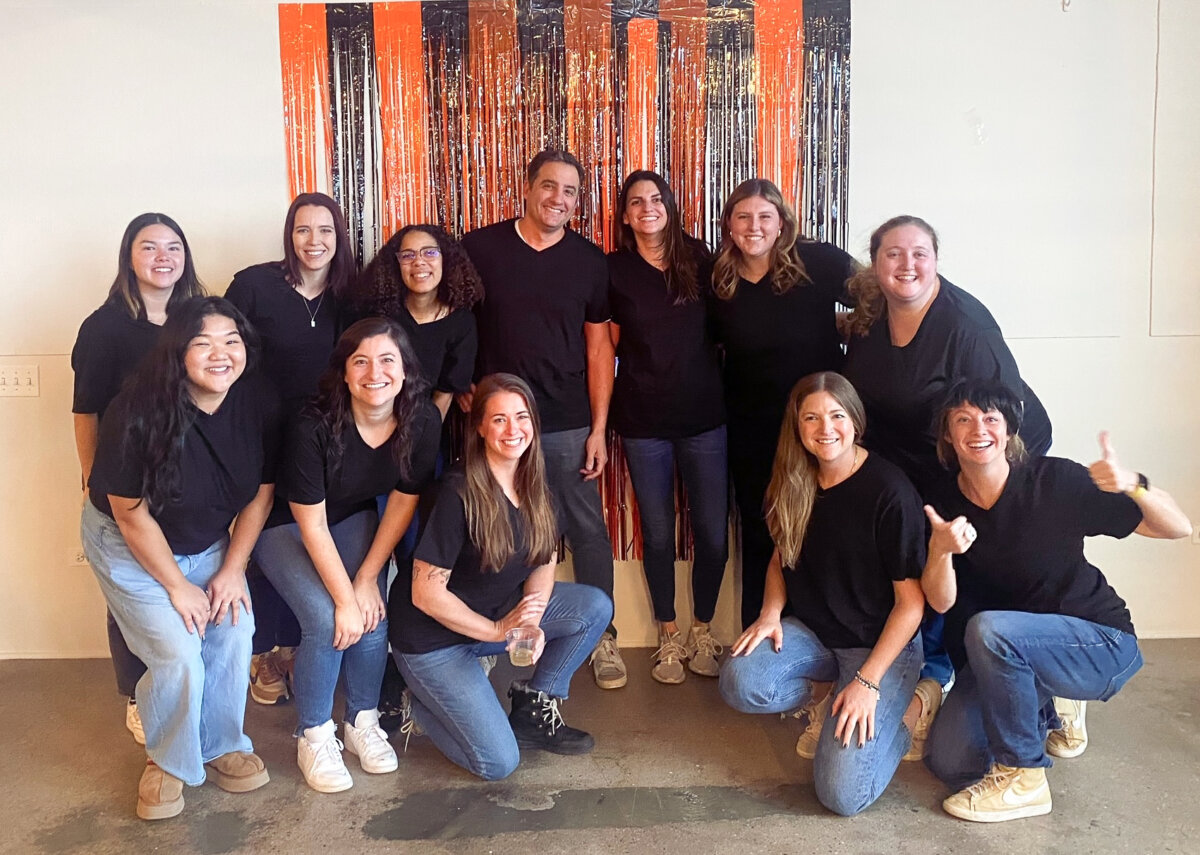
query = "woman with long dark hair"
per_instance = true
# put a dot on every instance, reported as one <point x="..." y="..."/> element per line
<point x="295" y="305"/>
<point x="668" y="409"/>
<point x="155" y="273"/>
<point x="186" y="449"/>
<point x="774" y="312"/>
<point x="372" y="430"/>
<point x="849" y="549"/>
<point x="485" y="565"/>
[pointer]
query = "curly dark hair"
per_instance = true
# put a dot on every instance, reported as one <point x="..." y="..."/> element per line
<point x="332" y="403"/>
<point x="379" y="290"/>
<point x="160" y="407"/>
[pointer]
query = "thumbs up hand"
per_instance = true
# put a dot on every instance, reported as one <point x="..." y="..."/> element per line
<point x="949" y="538"/>
<point x="1107" y="473"/>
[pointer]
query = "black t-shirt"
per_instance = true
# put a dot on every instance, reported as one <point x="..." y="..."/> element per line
<point x="307" y="477"/>
<point x="446" y="348"/>
<point x="668" y="381"/>
<point x="225" y="457"/>
<point x="1028" y="555"/>
<point x="109" y="346"/>
<point x="532" y="315"/>
<point x="445" y="542"/>
<point x="903" y="388"/>
<point x="297" y="334"/>
<point x="864" y="534"/>
<point x="772" y="340"/>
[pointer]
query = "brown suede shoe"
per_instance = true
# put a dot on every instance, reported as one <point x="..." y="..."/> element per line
<point x="237" y="772"/>
<point x="160" y="795"/>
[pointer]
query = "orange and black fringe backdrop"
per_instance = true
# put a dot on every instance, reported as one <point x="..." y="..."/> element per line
<point x="428" y="112"/>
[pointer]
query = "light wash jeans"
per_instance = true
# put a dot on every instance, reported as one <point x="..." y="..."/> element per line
<point x="1002" y="703"/>
<point x="704" y="465"/>
<point x="454" y="702"/>
<point x="580" y="514"/>
<point x="192" y="698"/>
<point x="847" y="780"/>
<point x="285" y="562"/>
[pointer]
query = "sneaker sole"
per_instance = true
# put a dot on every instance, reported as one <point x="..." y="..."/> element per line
<point x="999" y="816"/>
<point x="668" y="681"/>
<point x="713" y="672"/>
<point x="231" y="784"/>
<point x="329" y="788"/>
<point x="139" y="738"/>
<point x="268" y="700"/>
<point x="612" y="682"/>
<point x="556" y="749"/>
<point x="161" y="811"/>
<point x="1065" y="753"/>
<point x="378" y="770"/>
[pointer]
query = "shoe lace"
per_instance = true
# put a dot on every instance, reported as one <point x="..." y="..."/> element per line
<point x="997" y="778"/>
<point x="329" y="751"/>
<point x="408" y="725"/>
<point x="551" y="717"/>
<point x="671" y="650"/>
<point x="268" y="671"/>
<point x="606" y="650"/>
<point x="707" y="645"/>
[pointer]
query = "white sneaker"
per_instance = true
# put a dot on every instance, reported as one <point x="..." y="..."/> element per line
<point x="366" y="739"/>
<point x="319" y="755"/>
<point x="133" y="721"/>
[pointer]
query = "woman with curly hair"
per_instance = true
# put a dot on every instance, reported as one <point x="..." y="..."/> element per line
<point x="372" y="430"/>
<point x="774" y="311"/>
<point x="422" y="279"/>
<point x="185" y="449"/>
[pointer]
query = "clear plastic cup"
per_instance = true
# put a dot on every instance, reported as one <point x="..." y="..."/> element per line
<point x="522" y="642"/>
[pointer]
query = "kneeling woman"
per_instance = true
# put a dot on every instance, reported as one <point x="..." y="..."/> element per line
<point x="183" y="451"/>
<point x="848" y="529"/>
<point x="372" y="430"/>
<point x="1028" y="618"/>
<point x="484" y="565"/>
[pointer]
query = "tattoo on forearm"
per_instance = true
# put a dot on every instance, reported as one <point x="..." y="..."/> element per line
<point x="433" y="574"/>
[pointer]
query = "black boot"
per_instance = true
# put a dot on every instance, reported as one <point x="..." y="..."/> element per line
<point x="536" y="723"/>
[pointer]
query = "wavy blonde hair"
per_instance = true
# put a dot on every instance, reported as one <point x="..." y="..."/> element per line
<point x="793" y="487"/>
<point x="787" y="270"/>
<point x="869" y="303"/>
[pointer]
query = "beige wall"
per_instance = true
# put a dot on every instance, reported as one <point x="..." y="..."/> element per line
<point x="1025" y="133"/>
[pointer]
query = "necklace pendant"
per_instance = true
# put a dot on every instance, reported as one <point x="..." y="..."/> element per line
<point x="312" y="322"/>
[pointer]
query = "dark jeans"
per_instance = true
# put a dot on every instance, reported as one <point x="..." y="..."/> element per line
<point x="751" y="454"/>
<point x="274" y="622"/>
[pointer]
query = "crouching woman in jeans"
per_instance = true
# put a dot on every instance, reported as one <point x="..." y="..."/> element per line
<point x="1027" y="617"/>
<point x="849" y="547"/>
<point x="185" y="450"/>
<point x="485" y="564"/>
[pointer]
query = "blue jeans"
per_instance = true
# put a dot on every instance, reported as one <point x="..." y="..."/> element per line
<point x="192" y="698"/>
<point x="1001" y="705"/>
<point x="849" y="779"/>
<point x="703" y="464"/>
<point x="456" y="705"/>
<point x="580" y="514"/>
<point x="284" y="560"/>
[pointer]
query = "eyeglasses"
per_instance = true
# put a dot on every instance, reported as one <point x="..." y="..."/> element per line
<point x="429" y="253"/>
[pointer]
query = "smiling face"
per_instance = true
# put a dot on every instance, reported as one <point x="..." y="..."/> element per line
<point x="156" y="258"/>
<point x="420" y="260"/>
<point x="906" y="265"/>
<point x="215" y="358"/>
<point x="754" y="226"/>
<point x="506" y="429"/>
<point x="826" y="429"/>
<point x="978" y="437"/>
<point x="645" y="212"/>
<point x="314" y="237"/>
<point x="375" y="372"/>
<point x="552" y="196"/>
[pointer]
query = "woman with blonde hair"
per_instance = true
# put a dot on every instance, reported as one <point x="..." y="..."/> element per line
<point x="849" y="548"/>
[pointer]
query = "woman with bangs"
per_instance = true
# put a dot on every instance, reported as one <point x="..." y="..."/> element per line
<point x="774" y="311"/>
<point x="668" y="409"/>
<point x="155" y="274"/>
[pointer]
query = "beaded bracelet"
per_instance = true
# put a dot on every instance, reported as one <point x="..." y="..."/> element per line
<point x="864" y="681"/>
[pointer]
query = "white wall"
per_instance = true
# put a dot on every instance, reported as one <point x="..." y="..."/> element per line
<point x="1025" y="133"/>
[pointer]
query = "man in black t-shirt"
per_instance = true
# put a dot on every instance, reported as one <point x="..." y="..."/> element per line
<point x="544" y="317"/>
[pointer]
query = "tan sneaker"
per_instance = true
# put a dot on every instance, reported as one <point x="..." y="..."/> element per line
<point x="237" y="772"/>
<point x="1005" y="793"/>
<point x="133" y="722"/>
<point x="267" y="683"/>
<point x="160" y="795"/>
<point x="668" y="659"/>
<point x="703" y="651"/>
<point x="817" y="712"/>
<point x="607" y="665"/>
<point x="929" y="691"/>
<point x="1071" y="739"/>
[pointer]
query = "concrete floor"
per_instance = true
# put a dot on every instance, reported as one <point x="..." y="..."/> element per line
<point x="673" y="771"/>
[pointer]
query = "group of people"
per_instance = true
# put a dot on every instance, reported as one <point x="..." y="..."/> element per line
<point x="253" y="464"/>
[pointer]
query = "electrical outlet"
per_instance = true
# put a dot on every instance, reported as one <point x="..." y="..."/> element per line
<point x="76" y="557"/>
<point x="19" y="381"/>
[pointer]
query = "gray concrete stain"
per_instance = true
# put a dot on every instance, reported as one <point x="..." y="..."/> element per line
<point x="462" y="813"/>
<point x="79" y="828"/>
<point x="221" y="832"/>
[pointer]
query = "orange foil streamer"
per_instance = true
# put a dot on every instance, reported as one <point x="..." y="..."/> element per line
<point x="641" y="107"/>
<point x="304" y="60"/>
<point x="591" y="135"/>
<point x="688" y="115"/>
<point x="779" y="51"/>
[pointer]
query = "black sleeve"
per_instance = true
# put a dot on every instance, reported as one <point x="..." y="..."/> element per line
<point x="830" y="268"/>
<point x="597" y="311"/>
<point x="241" y="294"/>
<point x="459" y="364"/>
<point x="423" y="459"/>
<point x="94" y="360"/>
<point x="445" y="533"/>
<point x="302" y="470"/>
<point x="900" y="534"/>
<point x="118" y="469"/>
